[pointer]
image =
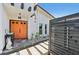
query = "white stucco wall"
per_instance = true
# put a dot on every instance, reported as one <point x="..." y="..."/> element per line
<point x="3" y="26"/>
<point x="43" y="20"/>
<point x="34" y="27"/>
<point x="26" y="6"/>
<point x="31" y="27"/>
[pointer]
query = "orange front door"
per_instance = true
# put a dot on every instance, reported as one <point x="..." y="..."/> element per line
<point x="19" y="28"/>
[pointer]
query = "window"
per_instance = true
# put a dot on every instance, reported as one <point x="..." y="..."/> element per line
<point x="19" y="17"/>
<point x="29" y="9"/>
<point x="12" y="4"/>
<point x="22" y="5"/>
<point x="40" y="29"/>
<point x="45" y="28"/>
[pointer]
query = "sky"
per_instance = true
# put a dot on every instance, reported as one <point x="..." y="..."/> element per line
<point x="60" y="9"/>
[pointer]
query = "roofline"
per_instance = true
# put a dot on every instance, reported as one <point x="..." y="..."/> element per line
<point x="45" y="11"/>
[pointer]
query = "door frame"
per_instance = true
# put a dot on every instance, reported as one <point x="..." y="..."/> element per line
<point x="18" y="20"/>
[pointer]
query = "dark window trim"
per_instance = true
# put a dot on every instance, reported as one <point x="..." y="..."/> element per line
<point x="40" y="29"/>
<point x="29" y="9"/>
<point x="45" y="28"/>
<point x="12" y="4"/>
<point x="22" y="5"/>
<point x="19" y="17"/>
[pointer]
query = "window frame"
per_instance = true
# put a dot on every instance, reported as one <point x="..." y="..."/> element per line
<point x="40" y="29"/>
<point x="12" y="4"/>
<point x="29" y="8"/>
<point x="22" y="5"/>
<point x="45" y="28"/>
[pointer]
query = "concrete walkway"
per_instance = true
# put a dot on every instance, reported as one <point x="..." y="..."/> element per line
<point x="23" y="45"/>
<point x="39" y="49"/>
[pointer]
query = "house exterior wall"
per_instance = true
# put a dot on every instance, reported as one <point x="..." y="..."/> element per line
<point x="8" y="12"/>
<point x="41" y="18"/>
<point x="14" y="11"/>
<point x="3" y="26"/>
<point x="33" y="27"/>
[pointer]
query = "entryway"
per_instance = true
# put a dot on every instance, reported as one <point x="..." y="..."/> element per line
<point x="19" y="28"/>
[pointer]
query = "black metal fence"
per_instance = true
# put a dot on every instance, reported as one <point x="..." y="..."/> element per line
<point x="64" y="37"/>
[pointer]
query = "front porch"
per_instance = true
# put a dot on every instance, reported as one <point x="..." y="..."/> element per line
<point x="23" y="44"/>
